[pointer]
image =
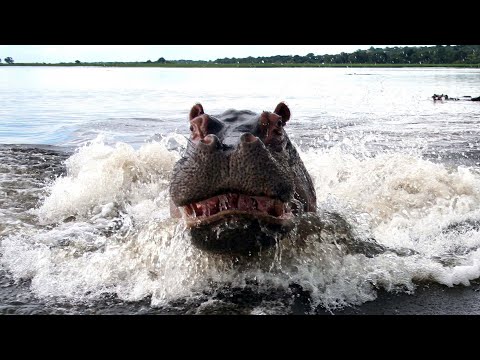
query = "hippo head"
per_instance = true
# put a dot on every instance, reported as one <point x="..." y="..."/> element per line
<point x="240" y="181"/>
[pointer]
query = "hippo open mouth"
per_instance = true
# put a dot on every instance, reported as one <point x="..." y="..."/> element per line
<point x="240" y="181"/>
<point x="218" y="207"/>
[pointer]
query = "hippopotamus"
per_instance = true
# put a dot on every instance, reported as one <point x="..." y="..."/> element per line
<point x="240" y="181"/>
<point x="442" y="97"/>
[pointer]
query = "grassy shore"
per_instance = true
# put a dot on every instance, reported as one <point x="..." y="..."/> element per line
<point x="252" y="65"/>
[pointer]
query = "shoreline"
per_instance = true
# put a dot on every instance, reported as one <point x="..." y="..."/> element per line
<point x="249" y="65"/>
<point x="427" y="299"/>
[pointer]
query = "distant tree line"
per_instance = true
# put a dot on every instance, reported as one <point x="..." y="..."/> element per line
<point x="160" y="61"/>
<point x="439" y="54"/>
<point x="456" y="54"/>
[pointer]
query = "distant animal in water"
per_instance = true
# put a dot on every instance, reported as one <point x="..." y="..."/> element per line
<point x="240" y="179"/>
<point x="442" y="97"/>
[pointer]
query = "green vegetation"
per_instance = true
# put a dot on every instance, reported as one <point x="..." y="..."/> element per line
<point x="426" y="55"/>
<point x="216" y="65"/>
<point x="409" y="56"/>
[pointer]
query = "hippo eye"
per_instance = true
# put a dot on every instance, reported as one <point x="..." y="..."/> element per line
<point x="191" y="127"/>
<point x="279" y="123"/>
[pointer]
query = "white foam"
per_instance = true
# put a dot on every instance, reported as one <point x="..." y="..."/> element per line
<point x="100" y="175"/>
<point x="400" y="193"/>
<point x="400" y="199"/>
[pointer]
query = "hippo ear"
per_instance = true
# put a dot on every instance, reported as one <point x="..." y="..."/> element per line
<point x="283" y="110"/>
<point x="197" y="110"/>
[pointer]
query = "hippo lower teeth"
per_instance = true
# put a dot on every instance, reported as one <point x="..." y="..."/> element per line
<point x="236" y="203"/>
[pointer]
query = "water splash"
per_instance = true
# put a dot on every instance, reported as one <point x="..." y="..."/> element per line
<point x="106" y="230"/>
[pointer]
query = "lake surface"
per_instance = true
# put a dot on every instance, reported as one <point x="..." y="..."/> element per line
<point x="86" y="155"/>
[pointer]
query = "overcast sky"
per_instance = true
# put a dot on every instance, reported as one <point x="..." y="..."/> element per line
<point x="92" y="53"/>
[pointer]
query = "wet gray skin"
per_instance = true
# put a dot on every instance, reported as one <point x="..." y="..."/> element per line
<point x="240" y="180"/>
<point x="241" y="186"/>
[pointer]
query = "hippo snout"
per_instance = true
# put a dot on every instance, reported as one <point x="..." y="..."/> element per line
<point x="239" y="168"/>
<point x="208" y="169"/>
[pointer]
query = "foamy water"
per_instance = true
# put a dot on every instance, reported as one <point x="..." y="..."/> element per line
<point x="112" y="233"/>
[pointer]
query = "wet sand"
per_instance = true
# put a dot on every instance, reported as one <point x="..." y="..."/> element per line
<point x="431" y="299"/>
<point x="428" y="299"/>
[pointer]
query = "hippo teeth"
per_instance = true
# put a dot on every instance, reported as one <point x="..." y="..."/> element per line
<point x="232" y="202"/>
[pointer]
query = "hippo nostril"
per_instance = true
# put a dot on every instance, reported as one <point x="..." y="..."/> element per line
<point x="210" y="139"/>
<point x="248" y="138"/>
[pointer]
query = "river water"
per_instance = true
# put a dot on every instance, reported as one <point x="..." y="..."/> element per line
<point x="85" y="159"/>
